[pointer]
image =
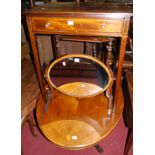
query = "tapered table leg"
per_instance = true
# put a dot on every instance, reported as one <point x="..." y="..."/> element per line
<point x="129" y="141"/>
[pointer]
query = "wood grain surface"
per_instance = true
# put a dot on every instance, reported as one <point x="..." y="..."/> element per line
<point x="77" y="25"/>
<point x="74" y="123"/>
<point x="90" y="7"/>
<point x="80" y="88"/>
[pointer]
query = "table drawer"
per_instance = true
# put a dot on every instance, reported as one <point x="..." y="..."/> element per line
<point x="77" y="25"/>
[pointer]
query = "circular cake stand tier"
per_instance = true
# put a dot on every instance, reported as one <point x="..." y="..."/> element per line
<point x="75" y="123"/>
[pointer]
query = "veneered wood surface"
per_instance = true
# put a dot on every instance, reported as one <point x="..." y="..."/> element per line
<point x="79" y="25"/>
<point x="90" y="7"/>
<point x="80" y="88"/>
<point x="74" y="123"/>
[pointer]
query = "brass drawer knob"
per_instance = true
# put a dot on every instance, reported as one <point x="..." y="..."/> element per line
<point x="70" y="22"/>
<point x="48" y="24"/>
<point x="103" y="26"/>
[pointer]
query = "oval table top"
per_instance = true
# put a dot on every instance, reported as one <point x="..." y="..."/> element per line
<point x="74" y="123"/>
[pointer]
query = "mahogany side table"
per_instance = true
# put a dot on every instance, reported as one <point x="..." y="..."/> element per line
<point x="86" y="19"/>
